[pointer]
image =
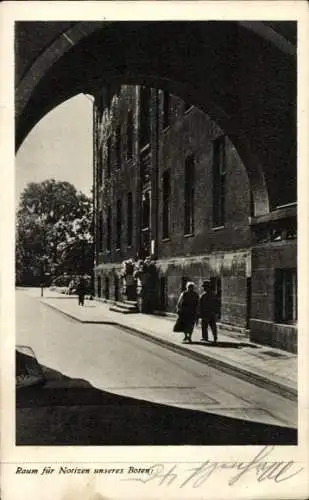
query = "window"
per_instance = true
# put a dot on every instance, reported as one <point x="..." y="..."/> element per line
<point x="130" y="219"/>
<point x="116" y="288"/>
<point x="166" y="188"/>
<point x="189" y="195"/>
<point x="286" y="295"/>
<point x="100" y="232"/>
<point x="144" y="131"/>
<point x="163" y="293"/>
<point x="146" y="210"/>
<point x="251" y="204"/>
<point x="99" y="286"/>
<point x="108" y="157"/>
<point x="109" y="229"/>
<point x="166" y="109"/>
<point x="146" y="213"/>
<point x="99" y="168"/>
<point x="106" y="292"/>
<point x="118" y="224"/>
<point x="130" y="135"/>
<point x="248" y="301"/>
<point x="218" y="179"/>
<point x="118" y="146"/>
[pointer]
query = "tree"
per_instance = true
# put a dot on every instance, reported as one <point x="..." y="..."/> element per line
<point x="54" y="232"/>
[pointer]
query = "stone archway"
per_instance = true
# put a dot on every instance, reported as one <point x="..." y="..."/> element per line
<point x="242" y="74"/>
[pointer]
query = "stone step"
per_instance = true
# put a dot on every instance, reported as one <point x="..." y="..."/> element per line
<point x="124" y="304"/>
<point x="124" y="307"/>
<point x="122" y="310"/>
<point x="130" y="302"/>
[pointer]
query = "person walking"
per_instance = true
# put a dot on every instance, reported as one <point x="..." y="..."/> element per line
<point x="187" y="310"/>
<point x="207" y="311"/>
<point x="81" y="290"/>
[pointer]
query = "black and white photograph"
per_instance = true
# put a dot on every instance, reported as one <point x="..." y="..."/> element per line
<point x="156" y="255"/>
<point x="156" y="266"/>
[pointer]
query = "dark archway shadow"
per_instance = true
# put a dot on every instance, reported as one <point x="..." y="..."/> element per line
<point x="66" y="411"/>
<point x="208" y="64"/>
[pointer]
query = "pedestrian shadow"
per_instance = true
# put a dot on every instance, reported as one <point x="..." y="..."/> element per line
<point x="233" y="345"/>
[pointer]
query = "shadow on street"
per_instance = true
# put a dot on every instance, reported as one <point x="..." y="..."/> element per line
<point x="66" y="411"/>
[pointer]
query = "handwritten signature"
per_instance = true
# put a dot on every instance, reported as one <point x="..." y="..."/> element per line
<point x="261" y="465"/>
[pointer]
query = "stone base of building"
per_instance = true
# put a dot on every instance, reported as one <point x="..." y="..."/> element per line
<point x="229" y="273"/>
<point x="273" y="334"/>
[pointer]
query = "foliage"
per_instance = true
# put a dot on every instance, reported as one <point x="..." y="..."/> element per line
<point x="54" y="231"/>
<point x="143" y="267"/>
<point x="128" y="267"/>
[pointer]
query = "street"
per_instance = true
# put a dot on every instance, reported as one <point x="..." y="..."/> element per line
<point x="132" y="371"/>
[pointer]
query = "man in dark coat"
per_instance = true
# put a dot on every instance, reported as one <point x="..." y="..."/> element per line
<point x="208" y="306"/>
<point x="81" y="290"/>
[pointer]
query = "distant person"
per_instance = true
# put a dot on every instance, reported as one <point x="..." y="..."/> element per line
<point x="208" y="306"/>
<point x="187" y="311"/>
<point x="71" y="287"/>
<point x="81" y="290"/>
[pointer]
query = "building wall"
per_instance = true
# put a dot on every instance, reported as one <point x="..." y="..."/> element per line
<point x="264" y="327"/>
<point x="244" y="273"/>
<point x="221" y="252"/>
<point x="124" y="177"/>
<point x="193" y="133"/>
<point x="230" y="267"/>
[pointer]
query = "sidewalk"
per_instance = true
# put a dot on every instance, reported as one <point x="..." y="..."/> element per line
<point x="274" y="369"/>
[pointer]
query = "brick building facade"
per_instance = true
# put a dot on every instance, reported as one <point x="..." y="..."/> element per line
<point x="170" y="184"/>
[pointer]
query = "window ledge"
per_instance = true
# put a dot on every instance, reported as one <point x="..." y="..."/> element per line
<point x="144" y="148"/>
<point x="166" y="238"/>
<point x="284" y="212"/>
<point x="217" y="228"/>
<point x="188" y="110"/>
<point x="188" y="235"/>
<point x="292" y="324"/>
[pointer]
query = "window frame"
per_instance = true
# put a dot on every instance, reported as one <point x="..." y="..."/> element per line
<point x="108" y="157"/>
<point x="118" y="144"/>
<point x="166" y="201"/>
<point x="166" y="109"/>
<point x="189" y="195"/>
<point x="219" y="182"/>
<point x="129" y="219"/>
<point x="130" y="128"/>
<point x="285" y="304"/>
<point x="118" y="223"/>
<point x="144" y="116"/>
<point x="109" y="229"/>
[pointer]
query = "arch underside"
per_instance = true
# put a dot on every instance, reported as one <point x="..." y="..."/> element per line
<point x="246" y="83"/>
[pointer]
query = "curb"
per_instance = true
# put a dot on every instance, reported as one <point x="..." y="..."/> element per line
<point x="260" y="380"/>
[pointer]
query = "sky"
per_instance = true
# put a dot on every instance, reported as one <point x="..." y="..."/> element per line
<point x="59" y="147"/>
